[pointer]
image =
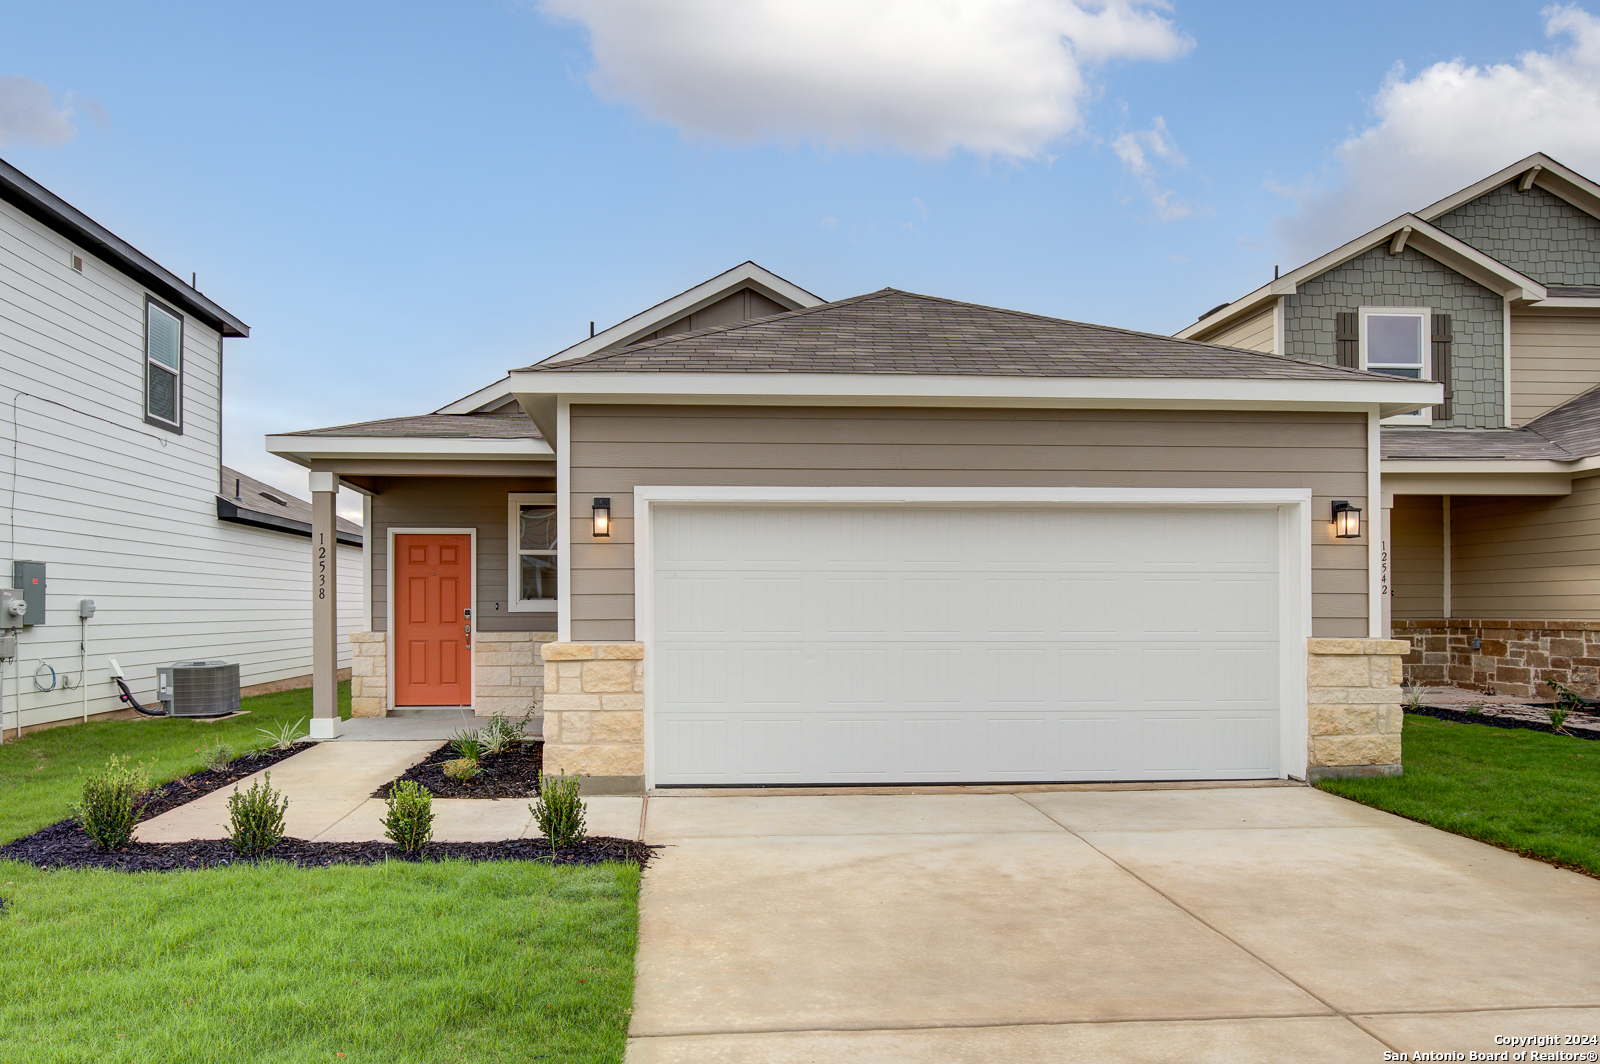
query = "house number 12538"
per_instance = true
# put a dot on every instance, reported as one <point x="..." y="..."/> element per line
<point x="322" y="565"/>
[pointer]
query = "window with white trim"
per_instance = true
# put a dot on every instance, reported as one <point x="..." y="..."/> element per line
<point x="163" y="366"/>
<point x="534" y="539"/>
<point x="1394" y="340"/>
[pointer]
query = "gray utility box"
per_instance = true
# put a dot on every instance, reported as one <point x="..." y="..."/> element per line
<point x="28" y="578"/>
<point x="198" y="688"/>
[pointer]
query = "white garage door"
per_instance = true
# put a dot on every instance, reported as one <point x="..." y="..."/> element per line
<point x="811" y="645"/>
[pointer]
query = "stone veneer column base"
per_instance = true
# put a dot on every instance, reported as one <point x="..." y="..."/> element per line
<point x="594" y="714"/>
<point x="1353" y="707"/>
<point x="508" y="673"/>
<point x="369" y="674"/>
<point x="1511" y="658"/>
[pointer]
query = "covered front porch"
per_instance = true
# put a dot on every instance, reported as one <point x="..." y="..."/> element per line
<point x="459" y="566"/>
<point x="1496" y="573"/>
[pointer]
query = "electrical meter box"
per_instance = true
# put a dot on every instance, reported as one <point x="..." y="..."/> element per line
<point x="13" y="610"/>
<point x="28" y="579"/>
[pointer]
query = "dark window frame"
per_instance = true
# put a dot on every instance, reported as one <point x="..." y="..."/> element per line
<point x="175" y="427"/>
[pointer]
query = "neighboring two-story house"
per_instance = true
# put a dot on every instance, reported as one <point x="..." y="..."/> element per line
<point x="111" y="475"/>
<point x="1491" y="499"/>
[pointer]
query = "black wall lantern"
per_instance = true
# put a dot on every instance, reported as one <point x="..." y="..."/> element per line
<point x="602" y="517"/>
<point x="1346" y="520"/>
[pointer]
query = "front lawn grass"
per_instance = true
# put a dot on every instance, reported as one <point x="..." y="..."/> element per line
<point x="455" y="961"/>
<point x="1532" y="792"/>
<point x="41" y="775"/>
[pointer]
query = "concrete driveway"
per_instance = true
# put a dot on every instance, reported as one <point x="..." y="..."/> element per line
<point x="1219" y="924"/>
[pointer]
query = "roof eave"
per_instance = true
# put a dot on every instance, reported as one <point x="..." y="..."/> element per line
<point x="39" y="203"/>
<point x="1392" y="397"/>
<point x="309" y="450"/>
<point x="1426" y="237"/>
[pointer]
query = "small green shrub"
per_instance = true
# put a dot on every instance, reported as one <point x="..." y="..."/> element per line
<point x="559" y="812"/>
<point x="1474" y="710"/>
<point x="1413" y="697"/>
<point x="283" y="736"/>
<point x="112" y="802"/>
<point x="461" y="769"/>
<point x="255" y="817"/>
<point x="216" y="757"/>
<point x="1558" y="717"/>
<point x="467" y="744"/>
<point x="409" y="823"/>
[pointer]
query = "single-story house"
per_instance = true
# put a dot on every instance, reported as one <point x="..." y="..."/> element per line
<point x="1491" y="499"/>
<point x="890" y="539"/>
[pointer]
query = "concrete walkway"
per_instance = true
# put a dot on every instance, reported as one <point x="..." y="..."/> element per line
<point x="1207" y="925"/>
<point x="330" y="787"/>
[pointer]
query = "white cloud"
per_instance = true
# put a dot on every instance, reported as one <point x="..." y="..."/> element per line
<point x="1453" y="124"/>
<point x="27" y="113"/>
<point x="1143" y="155"/>
<point x="927" y="77"/>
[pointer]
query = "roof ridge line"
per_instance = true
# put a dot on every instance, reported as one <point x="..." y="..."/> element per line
<point x="707" y="331"/>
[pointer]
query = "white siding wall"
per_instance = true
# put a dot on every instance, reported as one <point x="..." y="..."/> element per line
<point x="123" y="512"/>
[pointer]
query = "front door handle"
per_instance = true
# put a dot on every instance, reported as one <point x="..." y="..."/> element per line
<point x="468" y="628"/>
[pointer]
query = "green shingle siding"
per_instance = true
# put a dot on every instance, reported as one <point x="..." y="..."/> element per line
<point x="1534" y="232"/>
<point x="1409" y="279"/>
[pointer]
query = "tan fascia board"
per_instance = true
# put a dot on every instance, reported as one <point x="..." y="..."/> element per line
<point x="1563" y="303"/>
<point x="1429" y="239"/>
<point x="310" y="450"/>
<point x="1463" y="483"/>
<point x="1554" y="178"/>
<point x="1392" y="397"/>
<point x="744" y="275"/>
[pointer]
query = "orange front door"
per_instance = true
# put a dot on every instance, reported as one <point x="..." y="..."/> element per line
<point x="432" y="620"/>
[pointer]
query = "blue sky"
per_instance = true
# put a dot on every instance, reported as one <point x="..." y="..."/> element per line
<point x="404" y="200"/>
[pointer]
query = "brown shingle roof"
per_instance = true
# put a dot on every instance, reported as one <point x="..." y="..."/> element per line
<point x="1470" y="443"/>
<point x="241" y="492"/>
<point x="437" y="426"/>
<point x="898" y="332"/>
<point x="1570" y="431"/>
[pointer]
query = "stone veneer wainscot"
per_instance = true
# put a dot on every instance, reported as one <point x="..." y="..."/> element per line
<point x="594" y="714"/>
<point x="507" y="673"/>
<point x="1355" y="717"/>
<point x="1499" y="657"/>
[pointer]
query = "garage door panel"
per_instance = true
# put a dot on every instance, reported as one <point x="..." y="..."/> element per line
<point x="1247" y="744"/>
<point x="1026" y="645"/>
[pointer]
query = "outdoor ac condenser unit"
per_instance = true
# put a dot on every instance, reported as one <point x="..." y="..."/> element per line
<point x="199" y="688"/>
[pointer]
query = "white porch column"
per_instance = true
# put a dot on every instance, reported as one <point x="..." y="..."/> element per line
<point x="324" y="607"/>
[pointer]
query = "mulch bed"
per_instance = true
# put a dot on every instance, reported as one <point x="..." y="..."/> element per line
<point x="64" y="845"/>
<point x="186" y="789"/>
<point x="514" y="773"/>
<point x="1492" y="718"/>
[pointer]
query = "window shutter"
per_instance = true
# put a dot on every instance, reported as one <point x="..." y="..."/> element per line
<point x="1443" y="338"/>
<point x="1347" y="337"/>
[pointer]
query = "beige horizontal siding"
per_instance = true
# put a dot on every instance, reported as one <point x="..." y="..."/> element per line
<point x="1528" y="558"/>
<point x="1257" y="333"/>
<point x="615" y="448"/>
<point x="1554" y="357"/>
<point x="456" y="502"/>
<point x="1416" y="535"/>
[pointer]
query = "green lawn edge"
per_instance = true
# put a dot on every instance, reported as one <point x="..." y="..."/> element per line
<point x="41" y="774"/>
<point x="1533" y="793"/>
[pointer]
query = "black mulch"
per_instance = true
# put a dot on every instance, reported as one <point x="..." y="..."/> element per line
<point x="1492" y="721"/>
<point x="186" y="789"/>
<point x="64" y="845"/>
<point x="513" y="773"/>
